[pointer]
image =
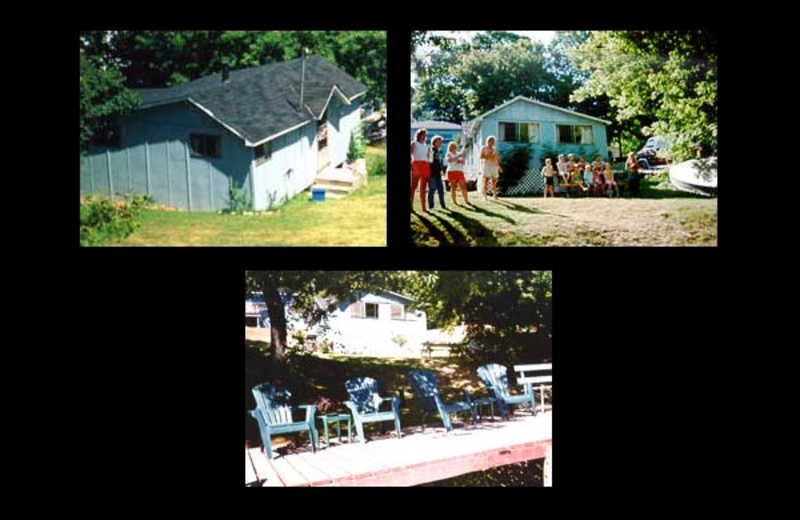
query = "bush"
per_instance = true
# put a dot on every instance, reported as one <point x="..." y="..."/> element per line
<point x="515" y="162"/>
<point x="238" y="201"/>
<point x="358" y="144"/>
<point x="104" y="221"/>
<point x="376" y="164"/>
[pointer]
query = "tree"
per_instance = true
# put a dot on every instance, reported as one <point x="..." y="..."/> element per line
<point x="102" y="98"/>
<point x="154" y="59"/>
<point x="459" y="82"/>
<point x="506" y="312"/>
<point x="302" y="292"/>
<point x="657" y="82"/>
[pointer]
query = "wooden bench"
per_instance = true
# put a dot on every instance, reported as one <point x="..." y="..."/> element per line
<point x="524" y="377"/>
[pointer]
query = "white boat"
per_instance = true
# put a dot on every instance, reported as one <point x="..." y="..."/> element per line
<point x="695" y="176"/>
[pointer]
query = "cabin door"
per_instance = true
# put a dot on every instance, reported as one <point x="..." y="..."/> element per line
<point x="323" y="156"/>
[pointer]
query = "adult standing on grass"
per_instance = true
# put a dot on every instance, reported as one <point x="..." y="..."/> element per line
<point x="491" y="166"/>
<point x="455" y="171"/>
<point x="420" y="167"/>
<point x="632" y="167"/>
<point x="437" y="165"/>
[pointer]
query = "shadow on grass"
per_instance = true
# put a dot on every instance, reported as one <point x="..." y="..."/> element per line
<point x="482" y="235"/>
<point x="456" y="238"/>
<point x="517" y="207"/>
<point x="493" y="214"/>
<point x="432" y="230"/>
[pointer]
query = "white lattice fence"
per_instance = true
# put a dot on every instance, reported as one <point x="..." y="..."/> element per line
<point x="531" y="182"/>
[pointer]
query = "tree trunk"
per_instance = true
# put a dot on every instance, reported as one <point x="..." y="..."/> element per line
<point x="277" y="322"/>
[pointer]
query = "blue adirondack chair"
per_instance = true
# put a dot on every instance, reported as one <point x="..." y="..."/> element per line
<point x="495" y="377"/>
<point x="427" y="390"/>
<point x="365" y="402"/>
<point x="274" y="415"/>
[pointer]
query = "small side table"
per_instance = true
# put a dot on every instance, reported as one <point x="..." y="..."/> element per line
<point x="337" y="418"/>
<point x="483" y="401"/>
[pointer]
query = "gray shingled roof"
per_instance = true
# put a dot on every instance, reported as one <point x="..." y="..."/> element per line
<point x="262" y="101"/>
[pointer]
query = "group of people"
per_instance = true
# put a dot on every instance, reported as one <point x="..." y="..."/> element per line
<point x="428" y="164"/>
<point x="596" y="177"/>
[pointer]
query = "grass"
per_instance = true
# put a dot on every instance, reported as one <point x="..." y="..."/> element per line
<point x="662" y="217"/>
<point x="356" y="220"/>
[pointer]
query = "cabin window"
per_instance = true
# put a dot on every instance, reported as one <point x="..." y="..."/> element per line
<point x="398" y="312"/>
<point x="529" y="132"/>
<point x="108" y="134"/>
<point x="586" y="135"/>
<point x="508" y="132"/>
<point x="357" y="310"/>
<point x="372" y="310"/>
<point x="568" y="134"/>
<point x="206" y="146"/>
<point x="519" y="132"/>
<point x="251" y="321"/>
<point x="263" y="153"/>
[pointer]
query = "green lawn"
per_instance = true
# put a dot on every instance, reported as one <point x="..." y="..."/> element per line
<point x="663" y="217"/>
<point x="356" y="220"/>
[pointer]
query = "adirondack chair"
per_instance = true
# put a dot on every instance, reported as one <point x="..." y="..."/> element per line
<point x="274" y="415"/>
<point x="426" y="389"/>
<point x="365" y="402"/>
<point x="495" y="377"/>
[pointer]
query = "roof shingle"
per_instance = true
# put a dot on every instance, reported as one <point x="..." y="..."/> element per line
<point x="262" y="101"/>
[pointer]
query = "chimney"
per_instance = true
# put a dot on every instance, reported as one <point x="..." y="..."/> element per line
<point x="224" y="72"/>
<point x="303" y="80"/>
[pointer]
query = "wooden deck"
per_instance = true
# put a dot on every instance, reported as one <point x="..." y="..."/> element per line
<point x="416" y="458"/>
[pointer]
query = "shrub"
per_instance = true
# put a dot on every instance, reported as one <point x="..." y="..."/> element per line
<point x="376" y="164"/>
<point x="358" y="144"/>
<point x="515" y="161"/>
<point x="104" y="221"/>
<point x="238" y="201"/>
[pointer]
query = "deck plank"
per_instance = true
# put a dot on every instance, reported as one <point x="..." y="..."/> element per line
<point x="321" y="461"/>
<point x="266" y="474"/>
<point x="310" y="472"/>
<point x="416" y="458"/>
<point x="249" y="472"/>
<point x="290" y="476"/>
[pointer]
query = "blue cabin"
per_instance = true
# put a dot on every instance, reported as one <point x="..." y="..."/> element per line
<point x="448" y="131"/>
<point x="544" y="127"/>
<point x="266" y="131"/>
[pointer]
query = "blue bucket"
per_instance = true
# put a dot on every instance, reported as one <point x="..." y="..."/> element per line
<point x="318" y="194"/>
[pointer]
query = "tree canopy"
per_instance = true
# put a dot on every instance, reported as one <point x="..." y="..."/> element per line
<point x="112" y="62"/>
<point x="460" y="81"/>
<point x="646" y="82"/>
<point x="657" y="82"/>
<point x="506" y="312"/>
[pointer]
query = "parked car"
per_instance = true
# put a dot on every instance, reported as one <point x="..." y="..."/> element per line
<point x="649" y="156"/>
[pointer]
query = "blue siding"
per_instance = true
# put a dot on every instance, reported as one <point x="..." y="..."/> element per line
<point x="162" y="135"/>
<point x="155" y="158"/>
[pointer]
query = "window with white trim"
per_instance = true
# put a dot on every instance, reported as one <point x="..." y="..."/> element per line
<point x="524" y="132"/>
<point x="569" y="134"/>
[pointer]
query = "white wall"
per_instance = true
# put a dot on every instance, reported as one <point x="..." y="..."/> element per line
<point x="290" y="170"/>
<point x="376" y="334"/>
